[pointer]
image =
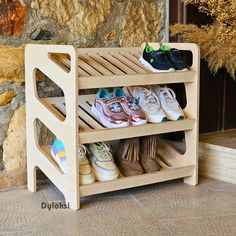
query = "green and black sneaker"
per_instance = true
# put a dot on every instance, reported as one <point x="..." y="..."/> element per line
<point x="156" y="60"/>
<point x="174" y="55"/>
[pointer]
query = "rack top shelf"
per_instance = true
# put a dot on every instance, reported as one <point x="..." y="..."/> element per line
<point x="103" y="67"/>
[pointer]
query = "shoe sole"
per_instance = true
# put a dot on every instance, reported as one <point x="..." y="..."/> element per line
<point x="105" y="122"/>
<point x="151" y="120"/>
<point x="146" y="64"/>
<point x="185" y="69"/>
<point x="104" y="178"/>
<point x="175" y="119"/>
<point x="141" y="122"/>
<point x="85" y="181"/>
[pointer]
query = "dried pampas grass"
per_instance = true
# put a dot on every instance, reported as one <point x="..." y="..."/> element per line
<point x="217" y="41"/>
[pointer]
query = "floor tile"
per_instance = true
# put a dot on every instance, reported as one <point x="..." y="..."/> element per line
<point x="170" y="208"/>
<point x="21" y="210"/>
<point x="109" y="216"/>
<point x="202" y="226"/>
<point x="42" y="232"/>
<point x="176" y="199"/>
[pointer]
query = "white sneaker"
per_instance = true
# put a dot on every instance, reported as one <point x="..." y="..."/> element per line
<point x="149" y="103"/>
<point x="86" y="175"/>
<point x="102" y="163"/>
<point x="168" y="102"/>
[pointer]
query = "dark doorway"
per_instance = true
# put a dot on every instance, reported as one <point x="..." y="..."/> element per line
<point x="217" y="92"/>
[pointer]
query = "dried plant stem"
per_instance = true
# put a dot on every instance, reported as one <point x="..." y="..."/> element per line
<point x="218" y="40"/>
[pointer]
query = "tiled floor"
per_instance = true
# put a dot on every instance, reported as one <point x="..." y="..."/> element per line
<point x="170" y="208"/>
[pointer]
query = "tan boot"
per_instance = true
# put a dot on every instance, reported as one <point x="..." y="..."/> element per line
<point x="127" y="157"/>
<point x="148" y="149"/>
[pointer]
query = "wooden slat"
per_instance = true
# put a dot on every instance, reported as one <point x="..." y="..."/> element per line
<point x="136" y="79"/>
<point x="83" y="126"/>
<point x="61" y="107"/>
<point x="162" y="164"/>
<point x="48" y="103"/>
<point x="136" y="131"/>
<point x="88" y="110"/>
<point x="60" y="60"/>
<point x="81" y="72"/>
<point x="84" y="98"/>
<point x="86" y="106"/>
<point x="107" y="64"/>
<point x="90" y="120"/>
<point x="138" y="180"/>
<point x="96" y="65"/>
<point x="137" y="53"/>
<point x="88" y="68"/>
<point x="58" y="102"/>
<point x="135" y="60"/>
<point x="84" y="51"/>
<point x="118" y="63"/>
<point x="65" y="61"/>
<point x="129" y="63"/>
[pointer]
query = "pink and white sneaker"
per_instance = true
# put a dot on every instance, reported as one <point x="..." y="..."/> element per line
<point x="131" y="107"/>
<point x="109" y="110"/>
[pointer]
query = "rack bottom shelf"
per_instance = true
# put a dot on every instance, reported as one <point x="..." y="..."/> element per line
<point x="138" y="180"/>
<point x="176" y="168"/>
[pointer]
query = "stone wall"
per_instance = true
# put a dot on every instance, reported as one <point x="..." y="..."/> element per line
<point x="98" y="23"/>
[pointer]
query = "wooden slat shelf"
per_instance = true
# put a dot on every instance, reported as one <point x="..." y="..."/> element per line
<point x="92" y="131"/>
<point x="178" y="168"/>
<point x="135" y="131"/>
<point x="71" y="120"/>
<point x="118" y="69"/>
<point x="136" y="79"/>
<point x="138" y="180"/>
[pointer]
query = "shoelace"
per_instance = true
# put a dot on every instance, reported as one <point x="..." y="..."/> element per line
<point x="82" y="152"/>
<point x="103" y="151"/>
<point x="133" y="106"/>
<point x="114" y="105"/>
<point x="150" y="98"/>
<point x="132" y="103"/>
<point x="168" y="94"/>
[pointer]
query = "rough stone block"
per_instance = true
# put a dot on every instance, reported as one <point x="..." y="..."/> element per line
<point x="11" y="64"/>
<point x="15" y="158"/>
<point x="7" y="110"/>
<point x="12" y="17"/>
<point x="6" y="97"/>
<point x="82" y="17"/>
<point x="141" y="22"/>
<point x="12" y="179"/>
<point x="125" y="23"/>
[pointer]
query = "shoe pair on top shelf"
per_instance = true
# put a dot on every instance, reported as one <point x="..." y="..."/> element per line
<point x="164" y="59"/>
<point x="136" y="106"/>
<point x="95" y="162"/>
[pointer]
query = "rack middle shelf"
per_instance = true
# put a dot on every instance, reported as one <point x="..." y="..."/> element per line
<point x="91" y="130"/>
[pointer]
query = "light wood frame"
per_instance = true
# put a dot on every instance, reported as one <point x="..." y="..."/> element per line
<point x="94" y="68"/>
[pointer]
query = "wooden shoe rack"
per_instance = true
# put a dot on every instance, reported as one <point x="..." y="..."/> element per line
<point x="71" y="120"/>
